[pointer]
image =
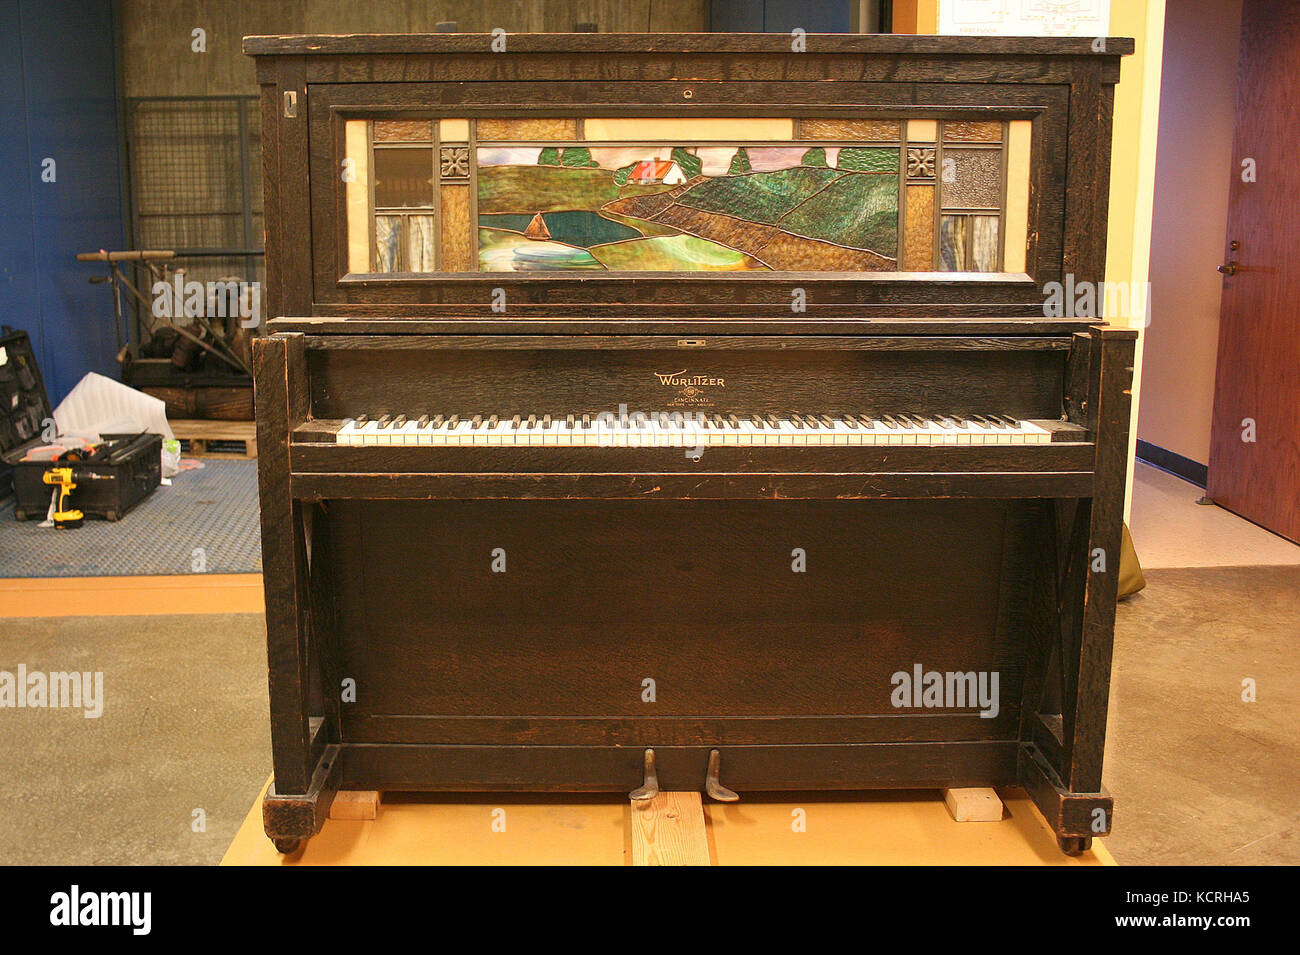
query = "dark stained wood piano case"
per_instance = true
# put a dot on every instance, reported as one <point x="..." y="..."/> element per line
<point x="402" y="659"/>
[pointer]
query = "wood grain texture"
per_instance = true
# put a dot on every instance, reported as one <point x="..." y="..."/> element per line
<point x="669" y="830"/>
<point x="1258" y="376"/>
<point x="626" y="563"/>
<point x="686" y="292"/>
<point x="374" y="44"/>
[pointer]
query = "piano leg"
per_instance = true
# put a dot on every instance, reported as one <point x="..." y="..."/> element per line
<point x="290" y="819"/>
<point x="1072" y="627"/>
<point x="303" y="718"/>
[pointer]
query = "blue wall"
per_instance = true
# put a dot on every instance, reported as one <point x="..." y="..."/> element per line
<point x="58" y="99"/>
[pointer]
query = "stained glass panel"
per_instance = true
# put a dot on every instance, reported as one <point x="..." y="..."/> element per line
<point x="918" y="252"/>
<point x="403" y="131"/>
<point x="974" y="178"/>
<point x="403" y="178"/>
<point x="664" y="207"/>
<point x="558" y="194"/>
<point x="984" y="243"/>
<point x="388" y="242"/>
<point x="978" y="131"/>
<point x="952" y="244"/>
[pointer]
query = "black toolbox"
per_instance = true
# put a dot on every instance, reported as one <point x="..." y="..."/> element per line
<point x="109" y="484"/>
<point x="24" y="406"/>
<point x="122" y="473"/>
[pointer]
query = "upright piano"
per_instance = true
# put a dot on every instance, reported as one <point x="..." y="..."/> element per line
<point x="729" y="413"/>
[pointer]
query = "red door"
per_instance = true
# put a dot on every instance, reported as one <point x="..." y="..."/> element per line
<point x="1255" y="439"/>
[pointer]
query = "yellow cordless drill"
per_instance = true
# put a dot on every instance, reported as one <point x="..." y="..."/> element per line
<point x="64" y="480"/>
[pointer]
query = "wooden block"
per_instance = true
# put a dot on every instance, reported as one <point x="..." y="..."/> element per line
<point x="669" y="830"/>
<point x="973" y="805"/>
<point x="355" y="804"/>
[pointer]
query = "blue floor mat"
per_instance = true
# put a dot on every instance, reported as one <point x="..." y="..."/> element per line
<point x="212" y="510"/>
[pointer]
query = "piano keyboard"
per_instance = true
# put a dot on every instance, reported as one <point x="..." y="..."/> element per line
<point x="696" y="431"/>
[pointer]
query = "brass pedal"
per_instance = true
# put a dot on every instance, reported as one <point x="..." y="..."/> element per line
<point x="713" y="785"/>
<point x="650" y="788"/>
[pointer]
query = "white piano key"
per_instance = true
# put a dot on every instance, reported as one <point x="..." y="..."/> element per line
<point x="692" y="430"/>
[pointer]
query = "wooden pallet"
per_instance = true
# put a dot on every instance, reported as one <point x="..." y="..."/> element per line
<point x="217" y="439"/>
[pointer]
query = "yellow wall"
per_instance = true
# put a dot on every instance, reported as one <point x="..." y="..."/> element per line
<point x="1133" y="150"/>
<point x="1133" y="166"/>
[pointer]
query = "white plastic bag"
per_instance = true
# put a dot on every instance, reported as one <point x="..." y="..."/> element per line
<point x="102" y="405"/>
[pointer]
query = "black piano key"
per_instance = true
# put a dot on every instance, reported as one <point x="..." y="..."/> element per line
<point x="826" y="421"/>
<point x="773" y="422"/>
<point x="586" y="421"/>
<point x="865" y="420"/>
<point x="384" y="422"/>
<point x="399" y="421"/>
<point x="492" y="421"/>
<point x="546" y="421"/>
<point x="360" y="419"/>
<point x="796" y="421"/>
<point x="437" y="421"/>
<point x="453" y="421"/>
<point x="422" y="421"/>
<point x="532" y="421"/>
<point x="515" y="421"/>
<point x="890" y="422"/>
<point x="732" y="422"/>
<point x="849" y="421"/>
<point x="947" y="423"/>
<point x="476" y="421"/>
<point x="568" y="422"/>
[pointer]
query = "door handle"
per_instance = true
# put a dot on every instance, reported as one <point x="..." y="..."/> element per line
<point x="1231" y="267"/>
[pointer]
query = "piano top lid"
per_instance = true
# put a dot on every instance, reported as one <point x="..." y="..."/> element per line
<point x="703" y="43"/>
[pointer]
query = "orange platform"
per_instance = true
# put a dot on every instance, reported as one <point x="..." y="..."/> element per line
<point x="882" y="828"/>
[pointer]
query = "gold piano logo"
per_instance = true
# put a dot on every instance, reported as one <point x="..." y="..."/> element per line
<point x="692" y="390"/>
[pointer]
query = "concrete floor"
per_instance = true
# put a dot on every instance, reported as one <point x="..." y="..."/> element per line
<point x="1197" y="774"/>
<point x="184" y="727"/>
